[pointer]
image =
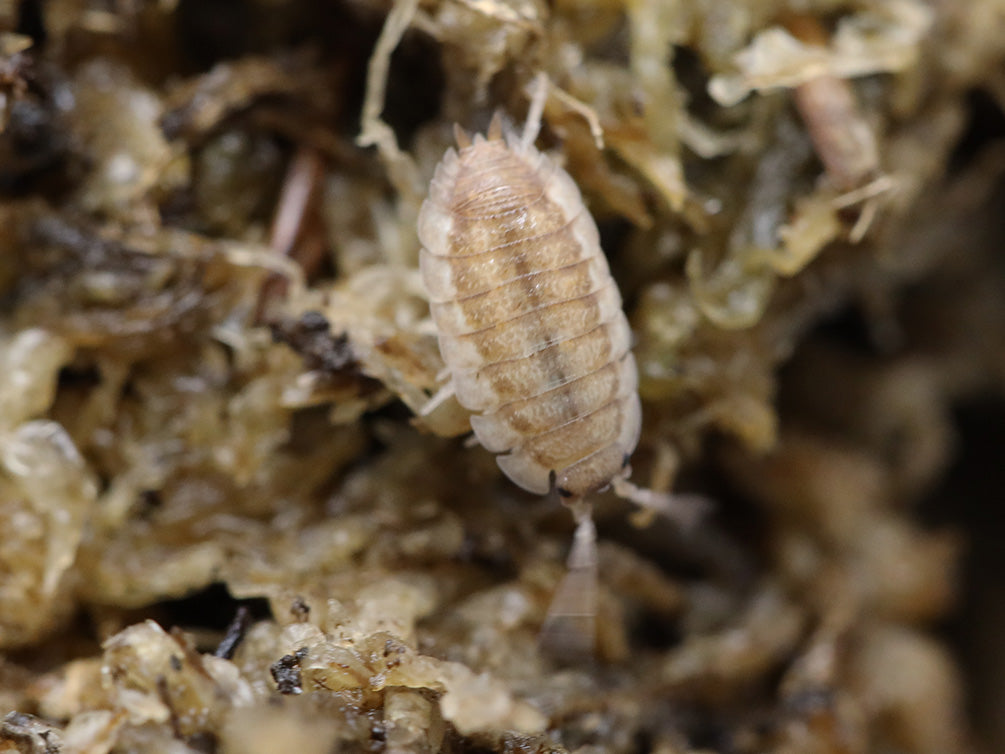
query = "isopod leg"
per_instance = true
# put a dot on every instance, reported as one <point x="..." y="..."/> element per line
<point x="442" y="395"/>
<point x="570" y="628"/>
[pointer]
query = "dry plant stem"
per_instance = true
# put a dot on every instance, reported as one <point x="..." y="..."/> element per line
<point x="373" y="130"/>
<point x="843" y="139"/>
<point x="299" y="188"/>
<point x="291" y="223"/>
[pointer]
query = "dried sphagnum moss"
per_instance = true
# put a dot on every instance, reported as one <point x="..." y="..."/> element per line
<point x="195" y="390"/>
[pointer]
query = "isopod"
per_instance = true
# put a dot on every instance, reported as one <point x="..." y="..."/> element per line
<point x="531" y="328"/>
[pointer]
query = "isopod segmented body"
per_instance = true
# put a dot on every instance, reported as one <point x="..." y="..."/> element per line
<point x="529" y="318"/>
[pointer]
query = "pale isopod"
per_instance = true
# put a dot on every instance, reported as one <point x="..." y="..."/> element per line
<point x="531" y="327"/>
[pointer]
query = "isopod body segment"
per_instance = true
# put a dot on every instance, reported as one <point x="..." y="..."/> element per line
<point x="529" y="318"/>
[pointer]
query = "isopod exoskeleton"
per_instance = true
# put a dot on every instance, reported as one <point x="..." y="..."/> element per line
<point x="529" y="318"/>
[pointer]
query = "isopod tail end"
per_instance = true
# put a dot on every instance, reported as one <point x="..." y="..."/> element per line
<point x="569" y="632"/>
<point x="461" y="137"/>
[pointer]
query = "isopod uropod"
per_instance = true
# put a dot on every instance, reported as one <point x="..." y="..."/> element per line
<point x="530" y="321"/>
